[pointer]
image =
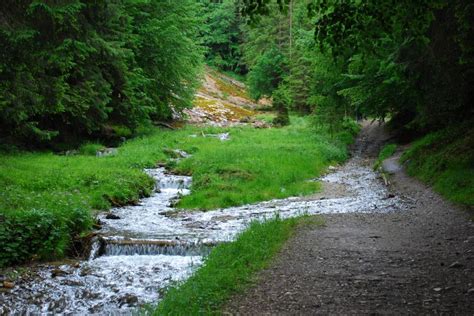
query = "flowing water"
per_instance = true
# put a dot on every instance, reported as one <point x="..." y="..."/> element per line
<point x="151" y="246"/>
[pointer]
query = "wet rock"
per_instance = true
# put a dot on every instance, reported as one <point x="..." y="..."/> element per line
<point x="246" y="119"/>
<point x="8" y="284"/>
<point x="261" y="124"/>
<point x="85" y="271"/>
<point x="128" y="299"/>
<point x="455" y="265"/>
<point x="72" y="283"/>
<point x="71" y="152"/>
<point x="58" y="272"/>
<point x="223" y="218"/>
<point x="174" y="202"/>
<point x="196" y="225"/>
<point x="106" y="152"/>
<point x="112" y="216"/>
<point x="59" y="305"/>
<point x="175" y="153"/>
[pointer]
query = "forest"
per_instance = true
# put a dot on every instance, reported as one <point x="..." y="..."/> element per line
<point x="75" y="70"/>
<point x="84" y="78"/>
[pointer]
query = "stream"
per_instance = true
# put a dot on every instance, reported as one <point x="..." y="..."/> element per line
<point x="151" y="246"/>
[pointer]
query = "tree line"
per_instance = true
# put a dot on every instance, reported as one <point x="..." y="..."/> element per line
<point x="411" y="61"/>
<point x="76" y="69"/>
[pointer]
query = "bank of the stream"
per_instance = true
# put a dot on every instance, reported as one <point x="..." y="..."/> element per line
<point x="143" y="249"/>
<point x="48" y="199"/>
<point x="231" y="267"/>
<point x="445" y="161"/>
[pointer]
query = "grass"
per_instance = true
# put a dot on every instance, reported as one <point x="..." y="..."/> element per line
<point x="266" y="117"/>
<point x="47" y="199"/>
<point x="386" y="152"/>
<point x="230" y="268"/>
<point x="445" y="160"/>
<point x="256" y="165"/>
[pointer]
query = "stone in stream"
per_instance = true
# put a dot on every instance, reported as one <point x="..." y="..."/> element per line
<point x="129" y="300"/>
<point x="222" y="218"/>
<point x="106" y="152"/>
<point x="58" y="272"/>
<point x="391" y="165"/>
<point x="112" y="216"/>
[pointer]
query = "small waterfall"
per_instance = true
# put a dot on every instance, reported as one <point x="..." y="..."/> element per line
<point x="130" y="247"/>
<point x="95" y="248"/>
<point x="174" y="182"/>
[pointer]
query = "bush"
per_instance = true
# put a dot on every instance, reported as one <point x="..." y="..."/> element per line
<point x="38" y="234"/>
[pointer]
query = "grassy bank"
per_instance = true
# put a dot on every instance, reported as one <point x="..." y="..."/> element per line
<point x="230" y="268"/>
<point x="46" y="199"/>
<point x="445" y="160"/>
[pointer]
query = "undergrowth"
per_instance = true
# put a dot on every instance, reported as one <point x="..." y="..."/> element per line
<point x="230" y="268"/>
<point x="445" y="160"/>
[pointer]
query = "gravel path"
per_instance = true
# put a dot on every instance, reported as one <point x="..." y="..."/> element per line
<point x="418" y="261"/>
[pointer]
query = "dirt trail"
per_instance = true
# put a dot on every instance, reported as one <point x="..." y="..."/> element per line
<point x="418" y="261"/>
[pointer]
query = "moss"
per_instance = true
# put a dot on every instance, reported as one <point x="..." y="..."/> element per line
<point x="229" y="88"/>
<point x="216" y="107"/>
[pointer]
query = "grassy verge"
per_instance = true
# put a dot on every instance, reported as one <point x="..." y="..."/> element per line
<point x="229" y="268"/>
<point x="386" y="152"/>
<point x="445" y="160"/>
<point x="46" y="199"/>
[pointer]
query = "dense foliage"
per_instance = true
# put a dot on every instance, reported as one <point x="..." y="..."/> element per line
<point x="410" y="60"/>
<point x="72" y="69"/>
<point x="221" y="34"/>
<point x="445" y="160"/>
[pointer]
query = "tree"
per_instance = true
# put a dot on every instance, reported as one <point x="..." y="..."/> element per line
<point x="412" y="60"/>
<point x="74" y="69"/>
<point x="221" y="34"/>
